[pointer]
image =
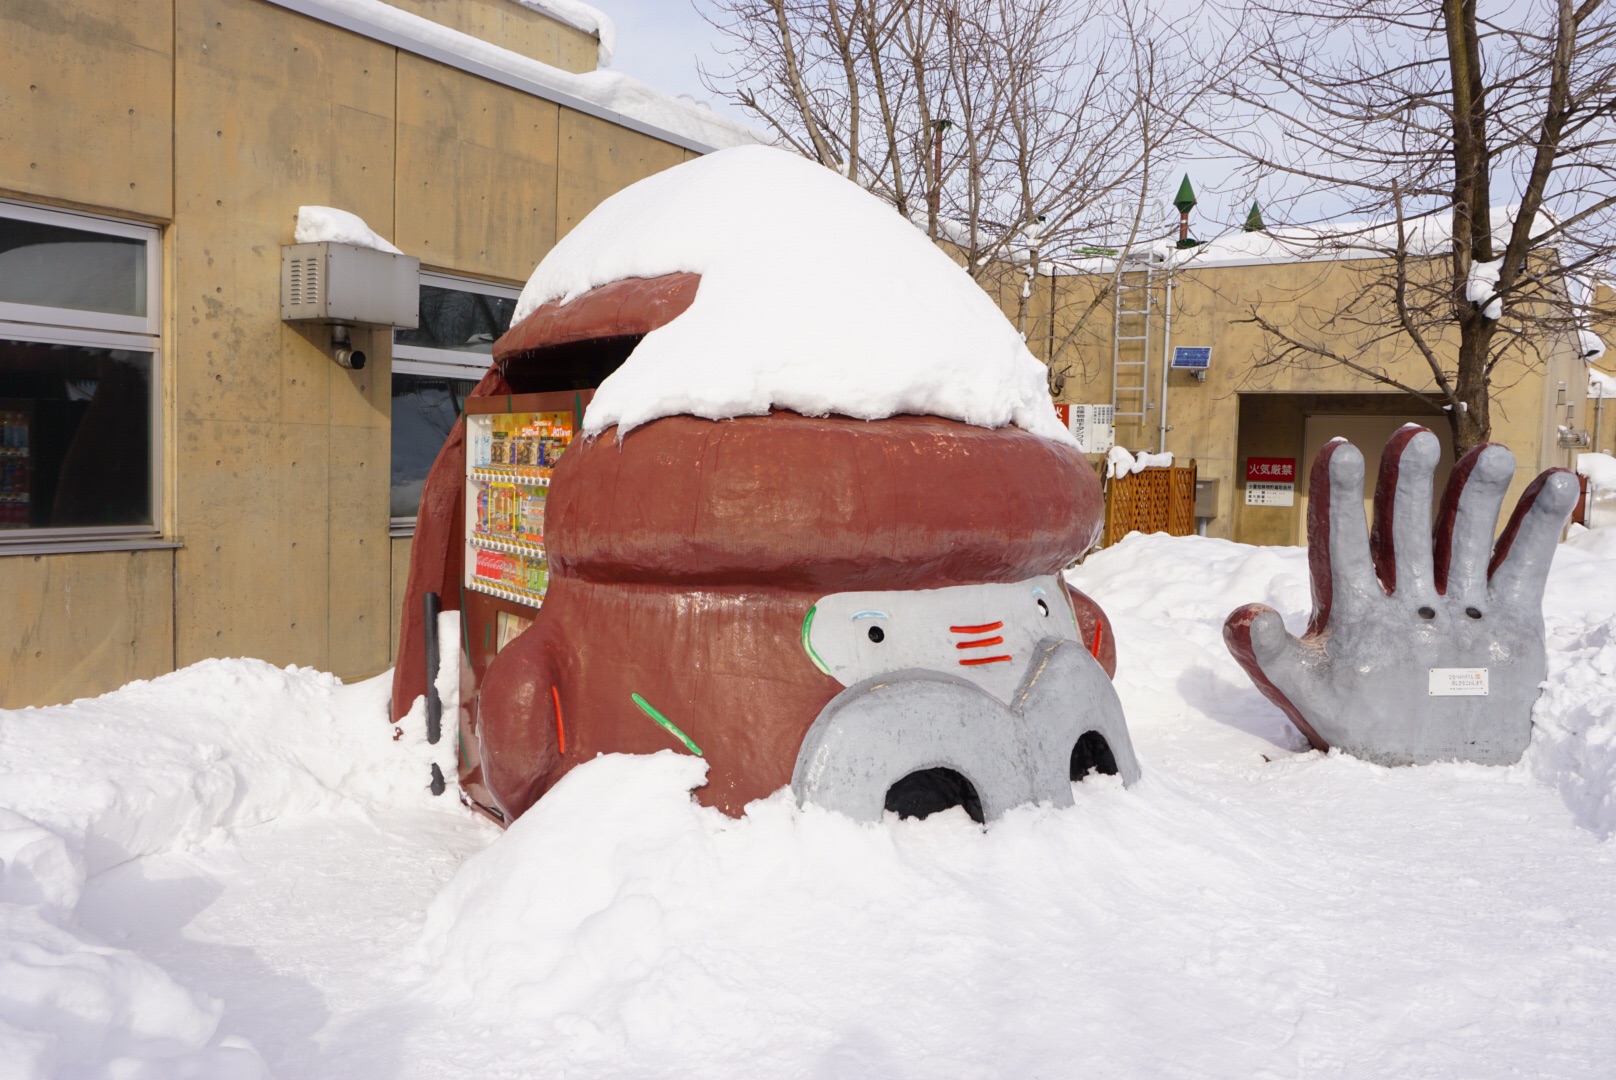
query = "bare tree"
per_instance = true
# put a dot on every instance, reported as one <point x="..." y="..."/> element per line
<point x="1016" y="132"/>
<point x="1420" y="118"/>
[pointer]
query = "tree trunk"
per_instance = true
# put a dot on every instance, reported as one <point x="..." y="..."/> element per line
<point x="1469" y="417"/>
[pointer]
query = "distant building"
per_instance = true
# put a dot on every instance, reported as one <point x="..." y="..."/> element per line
<point x="1237" y="417"/>
<point x="182" y="474"/>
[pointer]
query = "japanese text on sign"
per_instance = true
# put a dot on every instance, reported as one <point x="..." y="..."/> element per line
<point x="1272" y="469"/>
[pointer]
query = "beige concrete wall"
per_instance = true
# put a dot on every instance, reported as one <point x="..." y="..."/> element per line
<point x="512" y="26"/>
<point x="595" y="159"/>
<point x="218" y="118"/>
<point x="80" y="625"/>
<point x="86" y="114"/>
<point x="281" y="456"/>
<point x="476" y="173"/>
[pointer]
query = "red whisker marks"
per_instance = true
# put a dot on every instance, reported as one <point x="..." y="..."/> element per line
<point x="972" y="661"/>
<point x="1098" y="626"/>
<point x="979" y="643"/>
<point x="561" y="731"/>
<point x="985" y="628"/>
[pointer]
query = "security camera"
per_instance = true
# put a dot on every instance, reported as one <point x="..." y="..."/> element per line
<point x="343" y="352"/>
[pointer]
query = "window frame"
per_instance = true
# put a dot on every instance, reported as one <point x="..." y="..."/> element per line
<point x="441" y="363"/>
<point x="75" y="318"/>
<point x="43" y="325"/>
<point x="425" y="355"/>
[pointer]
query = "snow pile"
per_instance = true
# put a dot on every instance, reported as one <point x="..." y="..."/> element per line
<point x="583" y="17"/>
<point x="1481" y="288"/>
<point x="815" y="297"/>
<point x="1590" y="346"/>
<point x="326" y="223"/>
<point x="170" y="764"/>
<point x="1574" y="744"/>
<point x="1600" y="469"/>
<point x="1600" y="384"/>
<point x="1119" y="462"/>
<point x="1251" y="907"/>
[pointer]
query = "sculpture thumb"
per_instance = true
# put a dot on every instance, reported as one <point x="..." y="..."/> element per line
<point x="1257" y="638"/>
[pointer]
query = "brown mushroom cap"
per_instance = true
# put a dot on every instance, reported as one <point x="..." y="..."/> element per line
<point x="819" y="503"/>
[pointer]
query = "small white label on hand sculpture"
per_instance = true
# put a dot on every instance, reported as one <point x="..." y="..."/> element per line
<point x="1458" y="682"/>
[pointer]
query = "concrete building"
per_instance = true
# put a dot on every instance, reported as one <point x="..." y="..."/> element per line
<point x="185" y="475"/>
<point x="1241" y="411"/>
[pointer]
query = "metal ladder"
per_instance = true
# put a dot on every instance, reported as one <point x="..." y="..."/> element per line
<point x="1130" y="343"/>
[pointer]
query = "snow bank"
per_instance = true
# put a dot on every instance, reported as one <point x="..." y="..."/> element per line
<point x="1600" y="384"/>
<point x="157" y="766"/>
<point x="1600" y="469"/>
<point x="1250" y="908"/>
<point x="815" y="297"/>
<point x="326" y="223"/>
<point x="588" y="19"/>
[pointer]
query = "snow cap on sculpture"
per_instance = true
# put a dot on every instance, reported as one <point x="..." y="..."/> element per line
<point x="815" y="297"/>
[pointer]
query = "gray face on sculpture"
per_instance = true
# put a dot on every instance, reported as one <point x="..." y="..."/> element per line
<point x="985" y="685"/>
<point x="1426" y="642"/>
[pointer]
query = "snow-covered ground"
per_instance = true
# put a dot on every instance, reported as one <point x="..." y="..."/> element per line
<point x="235" y="869"/>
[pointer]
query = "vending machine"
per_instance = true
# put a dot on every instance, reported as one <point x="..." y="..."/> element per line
<point x="513" y="443"/>
<point x="16" y="481"/>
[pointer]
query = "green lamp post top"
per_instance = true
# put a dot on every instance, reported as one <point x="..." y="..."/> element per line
<point x="1185" y="200"/>
<point x="1254" y="221"/>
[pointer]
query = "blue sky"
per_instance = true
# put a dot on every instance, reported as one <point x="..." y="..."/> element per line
<point x="660" y="42"/>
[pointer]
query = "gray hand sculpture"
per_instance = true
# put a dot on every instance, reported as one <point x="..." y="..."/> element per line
<point x="1426" y="643"/>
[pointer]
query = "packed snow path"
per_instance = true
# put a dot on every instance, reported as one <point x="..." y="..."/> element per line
<point x="1250" y="908"/>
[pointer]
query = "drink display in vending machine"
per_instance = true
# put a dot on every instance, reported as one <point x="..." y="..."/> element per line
<point x="16" y="482"/>
<point x="513" y="443"/>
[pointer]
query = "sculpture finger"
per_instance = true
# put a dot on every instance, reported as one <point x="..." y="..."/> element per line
<point x="1462" y="539"/>
<point x="1337" y="537"/>
<point x="1400" y="541"/>
<point x="1273" y="658"/>
<point x="1520" y="563"/>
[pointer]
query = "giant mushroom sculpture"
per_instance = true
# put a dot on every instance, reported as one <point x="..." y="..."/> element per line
<point x="839" y="571"/>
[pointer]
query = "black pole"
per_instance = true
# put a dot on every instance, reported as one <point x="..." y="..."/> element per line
<point x="434" y="707"/>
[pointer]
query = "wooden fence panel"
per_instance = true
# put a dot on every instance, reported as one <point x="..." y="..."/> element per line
<point x="1151" y="500"/>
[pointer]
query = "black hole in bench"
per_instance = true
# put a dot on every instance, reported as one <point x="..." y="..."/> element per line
<point x="1092" y="754"/>
<point x="923" y="793"/>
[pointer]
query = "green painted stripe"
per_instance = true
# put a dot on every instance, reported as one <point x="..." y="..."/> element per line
<point x="807" y="625"/>
<point x="649" y="710"/>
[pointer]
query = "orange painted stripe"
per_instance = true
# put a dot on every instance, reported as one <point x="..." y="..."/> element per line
<point x="980" y="643"/>
<point x="983" y="629"/>
<point x="974" y="660"/>
<point x="561" y="731"/>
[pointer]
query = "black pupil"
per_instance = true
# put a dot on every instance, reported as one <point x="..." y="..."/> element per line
<point x="876" y="635"/>
<point x="1043" y="609"/>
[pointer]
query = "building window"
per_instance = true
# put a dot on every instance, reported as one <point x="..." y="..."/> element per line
<point x="434" y="367"/>
<point x="78" y="377"/>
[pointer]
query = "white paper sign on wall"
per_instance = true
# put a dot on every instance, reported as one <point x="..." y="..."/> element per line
<point x="1458" y="682"/>
<point x="1268" y="493"/>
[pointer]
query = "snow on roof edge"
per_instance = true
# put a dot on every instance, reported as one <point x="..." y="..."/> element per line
<point x="581" y="16"/>
<point x="609" y="95"/>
